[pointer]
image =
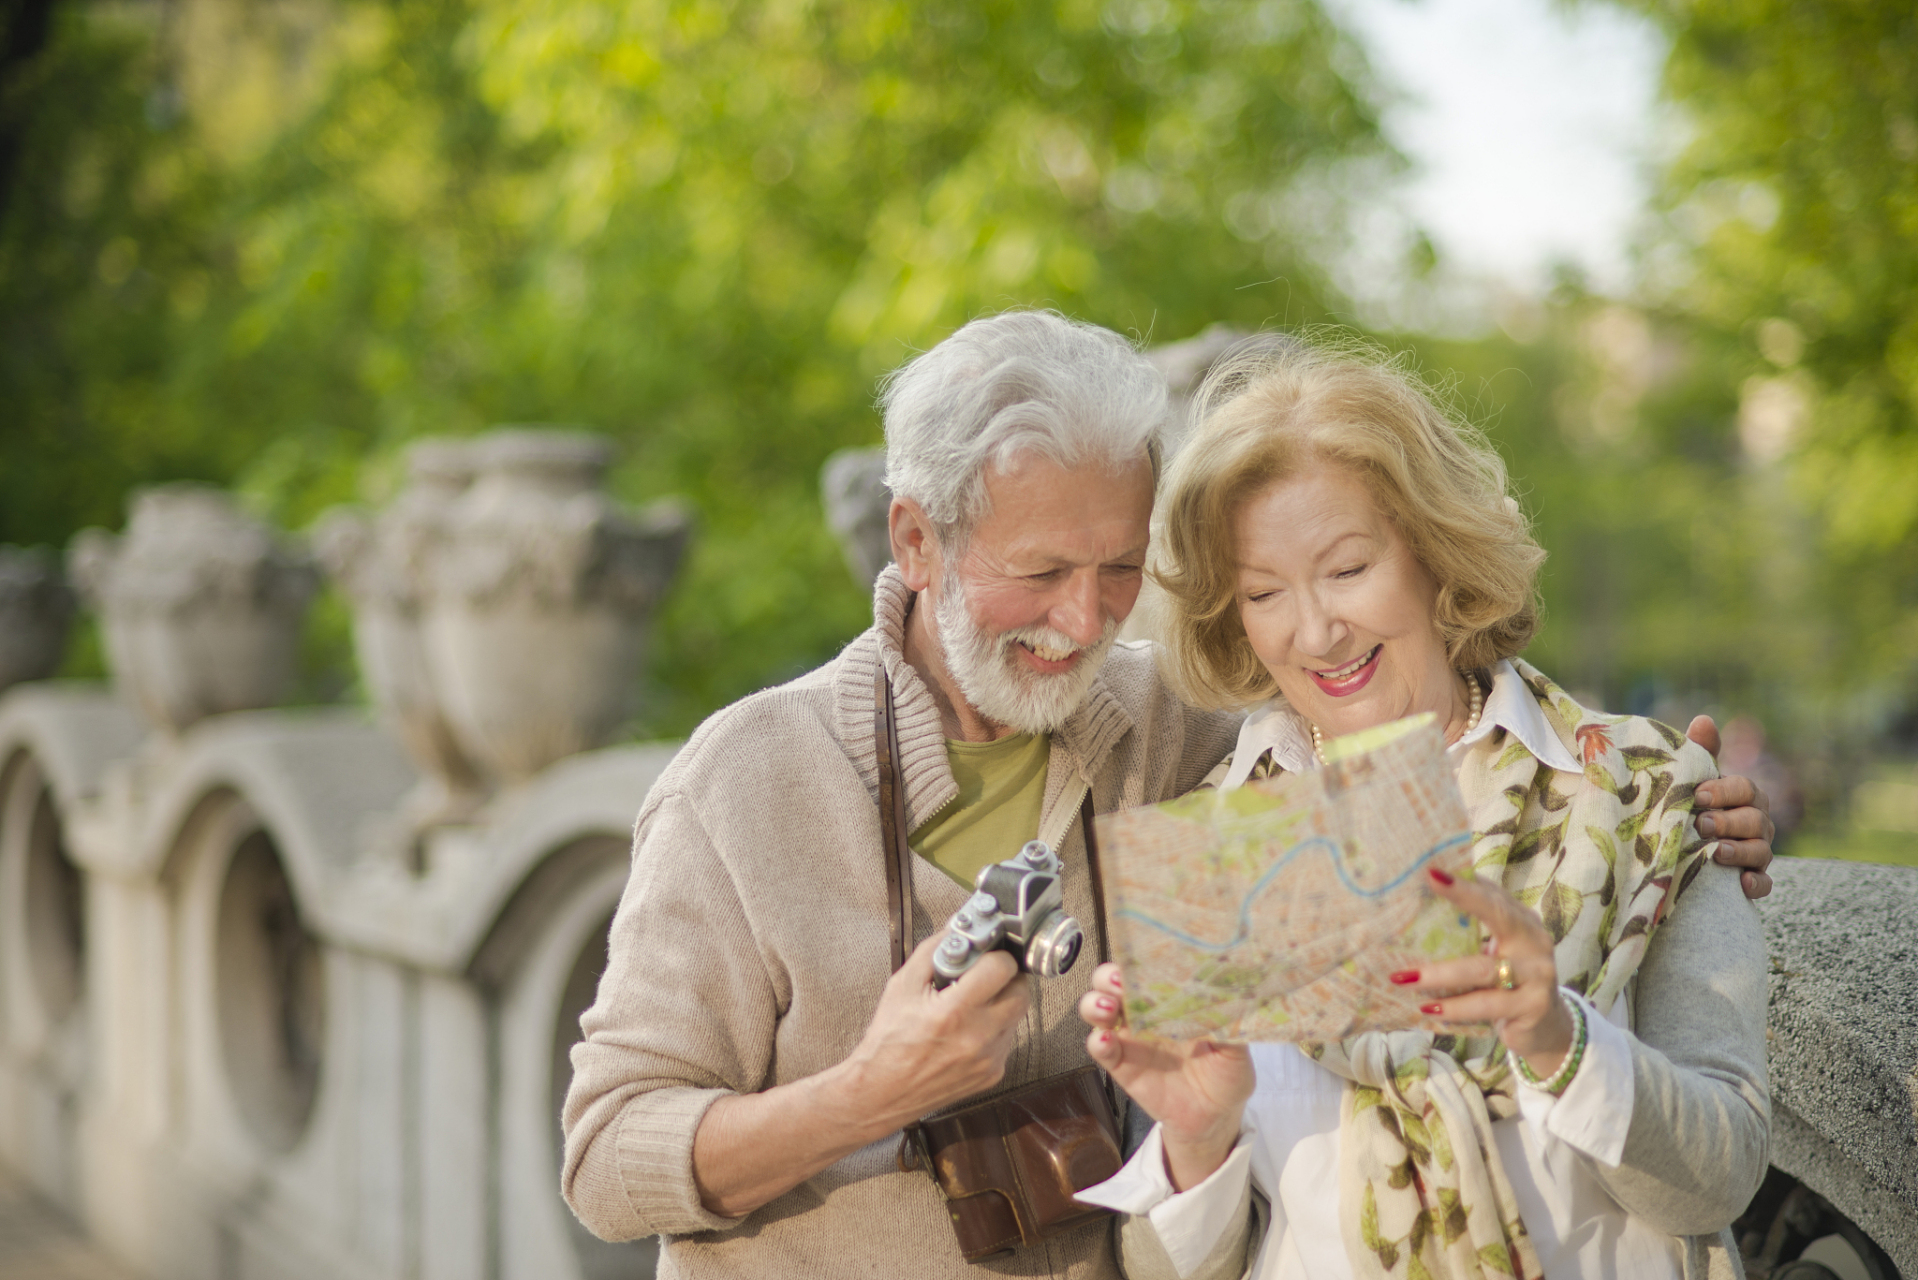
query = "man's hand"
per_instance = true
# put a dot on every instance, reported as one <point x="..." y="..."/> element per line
<point x="1735" y="812"/>
<point x="923" y="1050"/>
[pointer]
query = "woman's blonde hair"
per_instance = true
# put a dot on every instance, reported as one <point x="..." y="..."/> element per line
<point x="1274" y="407"/>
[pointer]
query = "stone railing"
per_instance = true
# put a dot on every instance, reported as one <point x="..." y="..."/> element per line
<point x="290" y="992"/>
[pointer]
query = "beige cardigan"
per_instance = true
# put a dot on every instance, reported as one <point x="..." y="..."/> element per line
<point x="750" y="948"/>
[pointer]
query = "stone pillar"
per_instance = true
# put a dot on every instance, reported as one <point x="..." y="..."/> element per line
<point x="382" y="563"/>
<point x="201" y="606"/>
<point x="853" y="487"/>
<point x="36" y="608"/>
<point x="538" y="602"/>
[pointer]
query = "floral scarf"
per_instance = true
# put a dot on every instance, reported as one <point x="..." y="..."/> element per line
<point x="1423" y="1195"/>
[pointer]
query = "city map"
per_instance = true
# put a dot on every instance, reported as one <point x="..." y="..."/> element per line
<point x="1276" y="911"/>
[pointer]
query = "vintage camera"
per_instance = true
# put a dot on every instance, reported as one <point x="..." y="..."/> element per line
<point x="1017" y="909"/>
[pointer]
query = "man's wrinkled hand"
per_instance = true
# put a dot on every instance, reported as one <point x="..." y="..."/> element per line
<point x="1735" y="812"/>
<point x="926" y="1048"/>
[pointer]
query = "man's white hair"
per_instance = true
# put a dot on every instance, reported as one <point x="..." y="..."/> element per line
<point x="1015" y="383"/>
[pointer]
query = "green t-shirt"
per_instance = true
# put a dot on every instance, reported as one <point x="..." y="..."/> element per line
<point x="1002" y="786"/>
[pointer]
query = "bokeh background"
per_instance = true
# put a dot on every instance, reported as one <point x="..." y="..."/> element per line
<point x="267" y="242"/>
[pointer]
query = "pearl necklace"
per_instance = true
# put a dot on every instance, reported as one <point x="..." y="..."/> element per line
<point x="1477" y="696"/>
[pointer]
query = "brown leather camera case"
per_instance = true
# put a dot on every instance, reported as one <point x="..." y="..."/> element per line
<point x="1009" y="1166"/>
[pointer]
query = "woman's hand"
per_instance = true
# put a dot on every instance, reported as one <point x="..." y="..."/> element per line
<point x="1529" y="1016"/>
<point x="1196" y="1089"/>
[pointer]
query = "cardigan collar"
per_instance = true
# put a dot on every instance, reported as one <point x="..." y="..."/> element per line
<point x="1081" y="744"/>
<point x="1274" y="726"/>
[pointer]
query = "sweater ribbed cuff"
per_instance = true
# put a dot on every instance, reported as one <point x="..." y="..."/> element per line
<point x="655" y="1145"/>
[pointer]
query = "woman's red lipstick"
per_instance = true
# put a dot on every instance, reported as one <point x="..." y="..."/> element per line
<point x="1351" y="682"/>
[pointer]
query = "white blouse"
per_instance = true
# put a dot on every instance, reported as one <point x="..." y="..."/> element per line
<point x="1290" y="1144"/>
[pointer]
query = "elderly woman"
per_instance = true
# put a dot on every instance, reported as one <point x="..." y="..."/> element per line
<point x="1338" y="552"/>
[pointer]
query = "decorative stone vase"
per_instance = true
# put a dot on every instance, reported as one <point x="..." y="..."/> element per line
<point x="201" y="606"/>
<point x="539" y="599"/>
<point x="853" y="486"/>
<point x="36" y="610"/>
<point x="382" y="563"/>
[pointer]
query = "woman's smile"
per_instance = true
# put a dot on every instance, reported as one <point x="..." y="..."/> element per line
<point x="1343" y="681"/>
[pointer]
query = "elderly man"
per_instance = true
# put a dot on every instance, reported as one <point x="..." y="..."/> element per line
<point x="752" y="1055"/>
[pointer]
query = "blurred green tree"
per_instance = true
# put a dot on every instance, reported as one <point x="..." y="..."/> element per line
<point x="1790" y="251"/>
<point x="705" y="227"/>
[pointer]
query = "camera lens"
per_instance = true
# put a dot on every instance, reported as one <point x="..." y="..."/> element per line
<point x="1055" y="945"/>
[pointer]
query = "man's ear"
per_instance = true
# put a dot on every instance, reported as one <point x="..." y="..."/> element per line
<point x="915" y="547"/>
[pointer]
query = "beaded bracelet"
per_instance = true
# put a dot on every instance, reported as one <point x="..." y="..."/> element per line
<point x="1561" y="1078"/>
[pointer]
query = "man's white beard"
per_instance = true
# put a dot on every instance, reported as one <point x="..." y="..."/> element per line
<point x="997" y="681"/>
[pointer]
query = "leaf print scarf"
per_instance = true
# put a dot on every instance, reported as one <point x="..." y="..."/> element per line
<point x="1423" y="1195"/>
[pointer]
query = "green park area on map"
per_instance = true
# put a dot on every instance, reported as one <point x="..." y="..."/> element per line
<point x="1276" y="911"/>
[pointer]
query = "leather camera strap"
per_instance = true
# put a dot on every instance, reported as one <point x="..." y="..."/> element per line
<point x="892" y="821"/>
<point x="892" y="826"/>
<point x="1098" y="880"/>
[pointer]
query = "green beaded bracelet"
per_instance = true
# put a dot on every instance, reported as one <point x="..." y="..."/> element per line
<point x="1569" y="1068"/>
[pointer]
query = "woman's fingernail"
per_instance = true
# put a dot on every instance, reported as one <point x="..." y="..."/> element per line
<point x="1106" y="1003"/>
<point x="1118" y="980"/>
<point x="1105" y="1039"/>
<point x="1434" y="1008"/>
<point x="1405" y="977"/>
<point x="1442" y="876"/>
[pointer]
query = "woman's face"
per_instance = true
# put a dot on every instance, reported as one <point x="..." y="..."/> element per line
<point x="1336" y="605"/>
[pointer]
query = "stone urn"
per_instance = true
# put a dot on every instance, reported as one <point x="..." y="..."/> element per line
<point x="201" y="606"/>
<point x="36" y="609"/>
<point x="539" y="599"/>
<point x="382" y="563"/>
<point x="853" y="486"/>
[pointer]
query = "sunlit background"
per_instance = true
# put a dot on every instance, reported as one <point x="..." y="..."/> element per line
<point x="1665" y="252"/>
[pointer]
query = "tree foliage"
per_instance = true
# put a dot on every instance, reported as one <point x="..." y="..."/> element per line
<point x="703" y="226"/>
<point x="1791" y="250"/>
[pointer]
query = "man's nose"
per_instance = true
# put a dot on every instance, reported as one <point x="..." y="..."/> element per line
<point x="1078" y="611"/>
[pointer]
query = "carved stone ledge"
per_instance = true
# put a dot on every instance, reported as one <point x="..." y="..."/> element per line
<point x="383" y="563"/>
<point x="201" y="605"/>
<point x="538" y="602"/>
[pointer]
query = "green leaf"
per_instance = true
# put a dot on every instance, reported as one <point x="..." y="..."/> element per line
<point x="1605" y="845"/>
<point x="1639" y="759"/>
<point x="1453" y="1218"/>
<point x="1560" y="909"/>
<point x="1494" y="1258"/>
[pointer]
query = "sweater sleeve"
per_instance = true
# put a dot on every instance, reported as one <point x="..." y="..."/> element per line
<point x="671" y="1030"/>
<point x="1701" y="1114"/>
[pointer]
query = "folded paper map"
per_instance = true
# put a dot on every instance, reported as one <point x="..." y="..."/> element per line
<point x="1277" y="910"/>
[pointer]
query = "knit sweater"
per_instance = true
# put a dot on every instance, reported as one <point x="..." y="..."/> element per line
<point x="750" y="948"/>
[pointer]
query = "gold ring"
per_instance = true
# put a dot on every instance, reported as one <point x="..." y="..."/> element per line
<point x="1505" y="981"/>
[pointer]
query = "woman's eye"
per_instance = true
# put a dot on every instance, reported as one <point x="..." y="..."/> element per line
<point x="1353" y="572"/>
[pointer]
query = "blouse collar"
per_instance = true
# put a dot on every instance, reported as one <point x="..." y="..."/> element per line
<point x="1274" y="726"/>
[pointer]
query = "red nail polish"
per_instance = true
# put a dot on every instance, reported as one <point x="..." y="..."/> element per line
<point x="1440" y="875"/>
<point x="1433" y="1008"/>
<point x="1405" y="977"/>
<point x="1108" y="1003"/>
<point x="1105" y="1038"/>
